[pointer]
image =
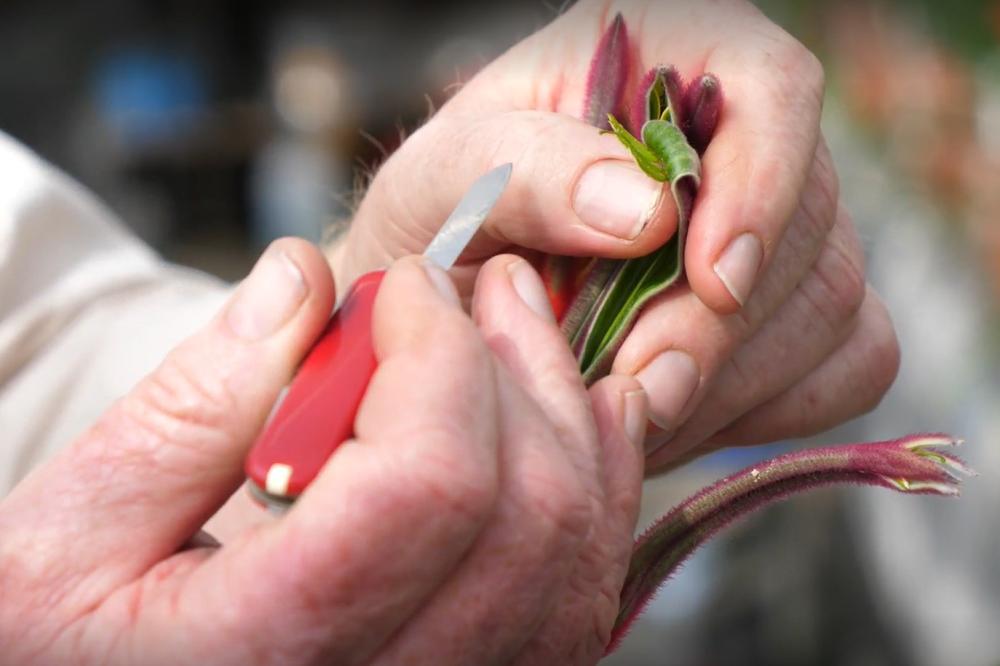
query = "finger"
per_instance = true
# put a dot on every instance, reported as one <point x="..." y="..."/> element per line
<point x="167" y="455"/>
<point x="524" y="557"/>
<point x="548" y="373"/>
<point x="391" y="514"/>
<point x="572" y="191"/>
<point x="513" y="313"/>
<point x="521" y="563"/>
<point x="813" y="323"/>
<point x="579" y="630"/>
<point x="678" y="344"/>
<point x="851" y="382"/>
<point x="620" y="404"/>
<point x="757" y="162"/>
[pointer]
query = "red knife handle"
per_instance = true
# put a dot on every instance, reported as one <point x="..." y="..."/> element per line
<point x="318" y="410"/>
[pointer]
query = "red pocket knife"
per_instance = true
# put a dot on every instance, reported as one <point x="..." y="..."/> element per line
<point x="317" y="411"/>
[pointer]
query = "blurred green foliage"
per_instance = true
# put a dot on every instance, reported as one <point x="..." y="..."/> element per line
<point x="968" y="27"/>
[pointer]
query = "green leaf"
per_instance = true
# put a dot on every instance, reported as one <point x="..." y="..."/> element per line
<point x="634" y="284"/>
<point x="676" y="157"/>
<point x="647" y="160"/>
<point x="657" y="102"/>
<point x="619" y="289"/>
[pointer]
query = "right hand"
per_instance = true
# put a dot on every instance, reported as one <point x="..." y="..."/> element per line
<point x="483" y="513"/>
<point x="805" y="345"/>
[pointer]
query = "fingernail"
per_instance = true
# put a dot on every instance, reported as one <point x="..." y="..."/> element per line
<point x="670" y="380"/>
<point x="617" y="198"/>
<point x="739" y="264"/>
<point x="635" y="416"/>
<point x="529" y="287"/>
<point x="267" y="298"/>
<point x="441" y="282"/>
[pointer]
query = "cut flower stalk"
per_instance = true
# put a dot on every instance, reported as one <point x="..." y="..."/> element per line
<point x="914" y="464"/>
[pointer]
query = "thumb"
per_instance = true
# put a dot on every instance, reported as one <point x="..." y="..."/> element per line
<point x="572" y="191"/>
<point x="166" y="456"/>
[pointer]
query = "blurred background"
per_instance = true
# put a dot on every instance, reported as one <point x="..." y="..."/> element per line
<point x="213" y="127"/>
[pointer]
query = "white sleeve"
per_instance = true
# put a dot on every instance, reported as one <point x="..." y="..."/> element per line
<point x="85" y="310"/>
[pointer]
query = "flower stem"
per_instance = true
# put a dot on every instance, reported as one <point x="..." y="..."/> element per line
<point x="912" y="465"/>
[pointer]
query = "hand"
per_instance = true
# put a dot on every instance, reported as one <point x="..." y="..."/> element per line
<point x="483" y="514"/>
<point x="776" y="334"/>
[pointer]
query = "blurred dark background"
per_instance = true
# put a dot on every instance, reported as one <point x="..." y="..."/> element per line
<point x="212" y="127"/>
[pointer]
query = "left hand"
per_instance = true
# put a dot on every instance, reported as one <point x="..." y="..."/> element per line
<point x="483" y="512"/>
<point x="787" y="347"/>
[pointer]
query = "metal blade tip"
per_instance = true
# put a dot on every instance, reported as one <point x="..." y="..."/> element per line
<point x="468" y="216"/>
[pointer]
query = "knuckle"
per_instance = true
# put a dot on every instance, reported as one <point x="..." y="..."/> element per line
<point x="186" y="396"/>
<point x="802" y="75"/>
<point x="839" y="288"/>
<point x="850" y="288"/>
<point x="805" y="68"/>
<point x="813" y="71"/>
<point x="819" y="203"/>
<point x="177" y="403"/>
<point x="884" y="356"/>
<point x="557" y="499"/>
<point x="444" y="482"/>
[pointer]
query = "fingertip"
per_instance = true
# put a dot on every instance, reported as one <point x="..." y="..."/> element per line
<point x="442" y="282"/>
<point x="316" y="275"/>
<point x="528" y="286"/>
<point x="419" y="280"/>
<point x="659" y="228"/>
<point x="724" y="286"/>
<point x="487" y="281"/>
<point x="494" y="269"/>
<point x="313" y="266"/>
<point x="416" y="302"/>
<point x="754" y="172"/>
<point x="506" y="275"/>
<point x="573" y="191"/>
<point x="724" y="281"/>
<point x="288" y="291"/>
<point x="717" y="211"/>
<point x="621" y="404"/>
<point x="614" y="198"/>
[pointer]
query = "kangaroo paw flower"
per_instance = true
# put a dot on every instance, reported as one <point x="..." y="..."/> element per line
<point x="701" y="108"/>
<point x="917" y="464"/>
<point x="609" y="69"/>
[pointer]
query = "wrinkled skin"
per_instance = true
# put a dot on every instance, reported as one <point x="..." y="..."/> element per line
<point x="483" y="514"/>
<point x="810" y="347"/>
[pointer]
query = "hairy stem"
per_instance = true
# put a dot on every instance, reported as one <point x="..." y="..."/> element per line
<point x="914" y="464"/>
